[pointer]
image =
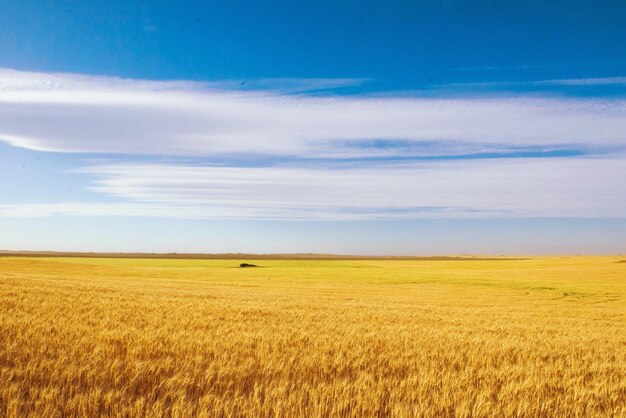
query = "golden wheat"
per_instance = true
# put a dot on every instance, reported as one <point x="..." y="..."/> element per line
<point x="124" y="337"/>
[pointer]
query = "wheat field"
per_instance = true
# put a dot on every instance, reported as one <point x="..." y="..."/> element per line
<point x="157" y="337"/>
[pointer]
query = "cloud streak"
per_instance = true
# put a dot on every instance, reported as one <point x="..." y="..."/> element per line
<point x="603" y="81"/>
<point x="576" y="187"/>
<point x="69" y="113"/>
<point x="518" y="188"/>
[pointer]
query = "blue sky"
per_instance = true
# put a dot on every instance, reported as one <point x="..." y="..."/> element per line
<point x="347" y="127"/>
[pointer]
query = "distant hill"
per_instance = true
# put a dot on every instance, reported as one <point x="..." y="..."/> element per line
<point x="239" y="256"/>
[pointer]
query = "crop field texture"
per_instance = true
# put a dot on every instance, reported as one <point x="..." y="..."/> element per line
<point x="156" y="337"/>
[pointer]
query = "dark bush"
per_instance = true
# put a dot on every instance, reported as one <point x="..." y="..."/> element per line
<point x="244" y="265"/>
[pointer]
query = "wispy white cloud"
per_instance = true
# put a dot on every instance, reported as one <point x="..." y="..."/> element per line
<point x="603" y="81"/>
<point x="196" y="211"/>
<point x="576" y="187"/>
<point x="564" y="82"/>
<point x="293" y="85"/>
<point x="537" y="65"/>
<point x="71" y="113"/>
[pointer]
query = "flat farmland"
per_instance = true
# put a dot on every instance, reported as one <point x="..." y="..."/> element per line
<point x="131" y="337"/>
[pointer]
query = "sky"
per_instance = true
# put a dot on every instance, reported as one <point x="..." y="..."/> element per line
<point x="350" y="127"/>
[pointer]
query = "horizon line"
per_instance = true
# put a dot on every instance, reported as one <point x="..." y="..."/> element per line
<point x="288" y="256"/>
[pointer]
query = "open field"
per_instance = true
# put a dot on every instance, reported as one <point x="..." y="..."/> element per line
<point x="170" y="337"/>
